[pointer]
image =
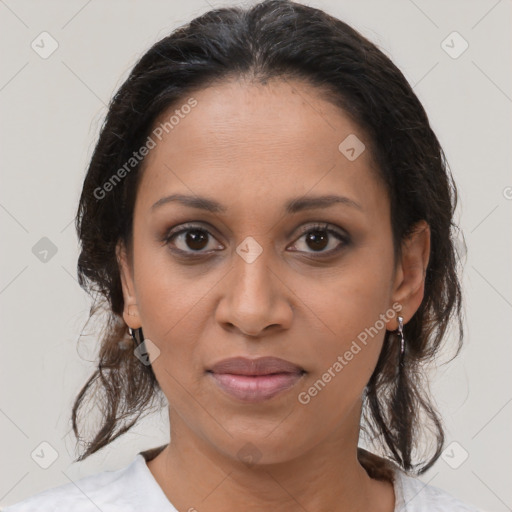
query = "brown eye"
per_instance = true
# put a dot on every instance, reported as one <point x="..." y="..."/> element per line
<point x="190" y="239"/>
<point x="196" y="239"/>
<point x="318" y="238"/>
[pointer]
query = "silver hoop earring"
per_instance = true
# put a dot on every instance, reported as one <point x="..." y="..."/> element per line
<point x="137" y="335"/>
<point x="401" y="334"/>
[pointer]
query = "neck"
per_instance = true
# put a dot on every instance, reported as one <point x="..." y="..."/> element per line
<point x="195" y="475"/>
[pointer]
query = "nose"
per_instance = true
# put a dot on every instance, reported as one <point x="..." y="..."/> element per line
<point x="255" y="299"/>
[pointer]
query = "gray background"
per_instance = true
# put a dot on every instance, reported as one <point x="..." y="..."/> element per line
<point x="52" y="109"/>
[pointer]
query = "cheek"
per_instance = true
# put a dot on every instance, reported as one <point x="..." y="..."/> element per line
<point x="349" y="352"/>
<point x="347" y="321"/>
<point x="349" y="300"/>
<point x="173" y="315"/>
<point x="168" y="293"/>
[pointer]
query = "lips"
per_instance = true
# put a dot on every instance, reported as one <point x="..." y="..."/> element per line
<point x="260" y="366"/>
<point x="255" y="380"/>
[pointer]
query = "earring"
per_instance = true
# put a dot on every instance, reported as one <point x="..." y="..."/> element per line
<point x="137" y="335"/>
<point x="402" y="339"/>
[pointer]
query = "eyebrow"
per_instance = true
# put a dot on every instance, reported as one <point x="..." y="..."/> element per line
<point x="291" y="206"/>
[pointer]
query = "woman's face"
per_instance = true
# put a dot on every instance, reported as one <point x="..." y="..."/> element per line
<point x="256" y="276"/>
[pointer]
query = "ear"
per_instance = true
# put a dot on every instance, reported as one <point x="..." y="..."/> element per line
<point x="409" y="283"/>
<point x="130" y="311"/>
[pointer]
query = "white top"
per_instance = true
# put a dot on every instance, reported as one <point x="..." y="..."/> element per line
<point x="134" y="489"/>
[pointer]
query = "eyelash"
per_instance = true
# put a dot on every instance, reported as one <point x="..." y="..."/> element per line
<point x="322" y="227"/>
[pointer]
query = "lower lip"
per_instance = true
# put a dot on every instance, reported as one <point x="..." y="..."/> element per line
<point x="255" y="388"/>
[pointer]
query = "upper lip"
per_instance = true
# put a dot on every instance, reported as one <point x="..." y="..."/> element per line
<point x="260" y="366"/>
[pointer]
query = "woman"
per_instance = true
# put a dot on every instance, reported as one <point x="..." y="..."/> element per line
<point x="268" y="213"/>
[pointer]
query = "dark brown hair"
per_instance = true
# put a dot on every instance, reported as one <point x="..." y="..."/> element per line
<point x="271" y="40"/>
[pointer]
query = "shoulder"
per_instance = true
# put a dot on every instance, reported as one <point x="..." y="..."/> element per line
<point x="108" y="491"/>
<point x="413" y="495"/>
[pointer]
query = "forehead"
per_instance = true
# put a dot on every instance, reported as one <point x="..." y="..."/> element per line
<point x="244" y="140"/>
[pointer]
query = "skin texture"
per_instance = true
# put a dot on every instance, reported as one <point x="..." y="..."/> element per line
<point x="252" y="148"/>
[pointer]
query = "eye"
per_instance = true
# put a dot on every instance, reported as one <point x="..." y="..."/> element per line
<point x="190" y="239"/>
<point x="319" y="237"/>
